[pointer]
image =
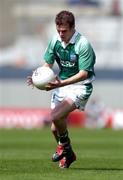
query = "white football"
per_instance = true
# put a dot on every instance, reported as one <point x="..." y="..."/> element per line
<point x="42" y="76"/>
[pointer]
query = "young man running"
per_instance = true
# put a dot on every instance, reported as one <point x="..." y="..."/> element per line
<point x="73" y="86"/>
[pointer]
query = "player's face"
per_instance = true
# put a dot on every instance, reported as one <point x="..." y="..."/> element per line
<point x="65" y="32"/>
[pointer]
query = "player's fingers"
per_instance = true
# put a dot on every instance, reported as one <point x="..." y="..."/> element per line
<point x="29" y="78"/>
<point x="29" y="82"/>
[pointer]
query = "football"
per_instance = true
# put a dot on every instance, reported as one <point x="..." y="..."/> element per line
<point x="42" y="76"/>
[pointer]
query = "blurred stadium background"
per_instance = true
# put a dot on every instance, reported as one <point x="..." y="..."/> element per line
<point x="25" y="28"/>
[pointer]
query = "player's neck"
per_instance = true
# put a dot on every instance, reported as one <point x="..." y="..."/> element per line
<point x="68" y="40"/>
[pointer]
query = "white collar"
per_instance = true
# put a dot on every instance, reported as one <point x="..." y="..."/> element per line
<point x="72" y="40"/>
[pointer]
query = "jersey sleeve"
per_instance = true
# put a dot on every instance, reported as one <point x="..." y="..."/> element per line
<point x="86" y="56"/>
<point x="49" y="55"/>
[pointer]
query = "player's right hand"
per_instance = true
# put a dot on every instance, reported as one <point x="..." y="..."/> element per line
<point x="29" y="81"/>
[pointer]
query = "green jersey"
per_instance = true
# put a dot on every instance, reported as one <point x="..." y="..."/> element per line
<point x="77" y="55"/>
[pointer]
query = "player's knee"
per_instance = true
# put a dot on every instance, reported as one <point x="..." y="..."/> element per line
<point x="56" y="115"/>
<point x="52" y="119"/>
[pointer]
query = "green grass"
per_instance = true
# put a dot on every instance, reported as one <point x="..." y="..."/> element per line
<point x="26" y="155"/>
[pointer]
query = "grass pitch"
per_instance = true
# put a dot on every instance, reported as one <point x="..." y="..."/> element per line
<point x="26" y="155"/>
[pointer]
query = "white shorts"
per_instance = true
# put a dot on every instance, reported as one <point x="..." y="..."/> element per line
<point x="78" y="93"/>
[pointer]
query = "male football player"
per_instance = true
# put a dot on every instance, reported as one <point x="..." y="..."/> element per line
<point x="73" y="86"/>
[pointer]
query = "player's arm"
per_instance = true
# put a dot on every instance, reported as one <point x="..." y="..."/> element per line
<point x="48" y="65"/>
<point x="80" y="76"/>
<point x="86" y="62"/>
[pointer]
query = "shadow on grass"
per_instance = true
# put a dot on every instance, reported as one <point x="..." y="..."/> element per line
<point x="42" y="166"/>
<point x="96" y="169"/>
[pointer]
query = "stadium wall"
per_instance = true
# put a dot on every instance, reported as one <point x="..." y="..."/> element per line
<point x="16" y="93"/>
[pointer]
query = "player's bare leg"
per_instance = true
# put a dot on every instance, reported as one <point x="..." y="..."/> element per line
<point x="64" y="152"/>
<point x="54" y="132"/>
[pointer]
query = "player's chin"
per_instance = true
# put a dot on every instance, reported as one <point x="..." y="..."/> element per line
<point x="63" y="39"/>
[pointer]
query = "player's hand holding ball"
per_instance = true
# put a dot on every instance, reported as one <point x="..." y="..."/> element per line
<point x="43" y="78"/>
<point x="53" y="84"/>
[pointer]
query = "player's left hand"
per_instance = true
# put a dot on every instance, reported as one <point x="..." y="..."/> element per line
<point x="54" y="84"/>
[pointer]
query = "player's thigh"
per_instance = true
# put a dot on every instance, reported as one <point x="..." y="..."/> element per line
<point x="63" y="109"/>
